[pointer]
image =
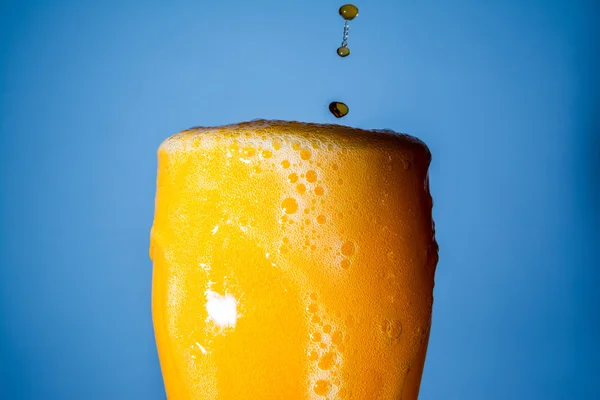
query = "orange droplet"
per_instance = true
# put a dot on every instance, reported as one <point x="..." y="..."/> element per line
<point x="350" y="321"/>
<point x="321" y="219"/>
<point x="322" y="387"/>
<point x="311" y="176"/>
<point x="327" y="361"/>
<point x="327" y="329"/>
<point x="336" y="338"/>
<point x="289" y="205"/>
<point x="312" y="308"/>
<point x="348" y="249"/>
<point x="267" y="154"/>
<point x="315" y="336"/>
<point x="293" y="177"/>
<point x="319" y="191"/>
<point x="305" y="154"/>
<point x="345" y="264"/>
<point x="249" y="151"/>
<point x="285" y="164"/>
<point x="301" y="188"/>
<point x="296" y="145"/>
<point x="313" y="356"/>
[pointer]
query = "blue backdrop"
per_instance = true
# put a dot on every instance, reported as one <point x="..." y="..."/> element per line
<point x="505" y="93"/>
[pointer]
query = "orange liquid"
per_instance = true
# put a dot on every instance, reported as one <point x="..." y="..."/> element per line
<point x="292" y="261"/>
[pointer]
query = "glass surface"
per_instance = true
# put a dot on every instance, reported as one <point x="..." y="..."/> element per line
<point x="292" y="261"/>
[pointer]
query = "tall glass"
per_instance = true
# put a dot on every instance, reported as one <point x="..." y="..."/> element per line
<point x="292" y="261"/>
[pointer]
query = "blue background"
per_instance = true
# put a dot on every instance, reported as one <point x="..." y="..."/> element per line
<point x="505" y="93"/>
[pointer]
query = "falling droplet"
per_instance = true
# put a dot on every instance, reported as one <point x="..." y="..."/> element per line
<point x="338" y="109"/>
<point x="343" y="51"/>
<point x="348" y="12"/>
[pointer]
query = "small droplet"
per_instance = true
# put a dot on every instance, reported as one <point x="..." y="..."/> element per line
<point x="249" y="151"/>
<point x="322" y="345"/>
<point x="336" y="338"/>
<point x="348" y="12"/>
<point x="316" y="336"/>
<point x="301" y="188"/>
<point x="311" y="176"/>
<point x="327" y="361"/>
<point x="349" y="321"/>
<point x="327" y="329"/>
<point x="313" y="296"/>
<point x="319" y="191"/>
<point x="315" y="319"/>
<point x="345" y="264"/>
<point x="338" y="109"/>
<point x="391" y="328"/>
<point x="342" y="393"/>
<point x="313" y="356"/>
<point x="296" y="145"/>
<point x="341" y="348"/>
<point x="322" y="387"/>
<point x="321" y="219"/>
<point x="293" y="177"/>
<point x="285" y="164"/>
<point x="289" y="205"/>
<point x="343" y="51"/>
<point x="312" y="308"/>
<point x="348" y="249"/>
<point x="405" y="164"/>
<point x="267" y="154"/>
<point x="305" y="154"/>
